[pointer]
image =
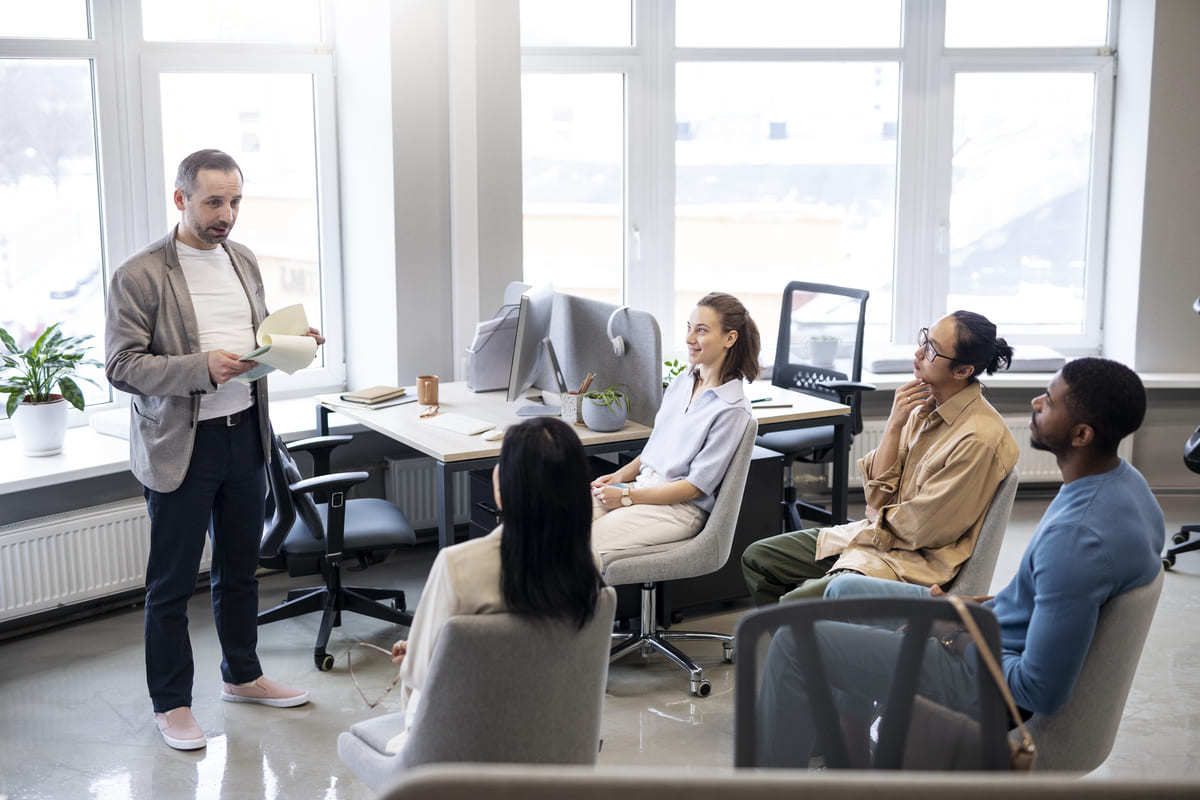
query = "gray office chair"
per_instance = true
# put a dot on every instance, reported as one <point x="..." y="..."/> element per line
<point x="704" y="553"/>
<point x="818" y="352"/>
<point x="502" y="688"/>
<point x="308" y="538"/>
<point x="974" y="578"/>
<point x="1080" y="735"/>
<point x="945" y="739"/>
<point x="506" y="782"/>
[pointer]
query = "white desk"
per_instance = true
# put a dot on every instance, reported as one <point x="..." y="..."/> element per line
<point x="456" y="452"/>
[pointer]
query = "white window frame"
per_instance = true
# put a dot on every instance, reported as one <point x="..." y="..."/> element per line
<point x="927" y="69"/>
<point x="127" y="123"/>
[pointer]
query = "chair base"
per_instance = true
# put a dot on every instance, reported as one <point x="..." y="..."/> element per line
<point x="650" y="638"/>
<point x="332" y="601"/>
<point x="1185" y="533"/>
<point x="795" y="511"/>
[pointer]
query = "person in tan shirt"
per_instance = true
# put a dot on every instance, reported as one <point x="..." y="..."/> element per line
<point x="928" y="485"/>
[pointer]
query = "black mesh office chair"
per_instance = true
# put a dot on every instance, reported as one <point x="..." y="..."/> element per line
<point x="315" y="538"/>
<point x="818" y="352"/>
<point x="1191" y="459"/>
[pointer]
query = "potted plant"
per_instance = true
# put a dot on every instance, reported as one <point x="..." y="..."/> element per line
<point x="673" y="369"/>
<point x="606" y="410"/>
<point x="38" y="415"/>
<point x="823" y="349"/>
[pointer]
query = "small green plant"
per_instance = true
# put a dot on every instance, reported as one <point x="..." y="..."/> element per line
<point x="53" y="359"/>
<point x="673" y="368"/>
<point x="613" y="395"/>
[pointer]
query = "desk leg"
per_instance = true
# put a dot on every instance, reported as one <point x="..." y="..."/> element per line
<point x="445" y="506"/>
<point x="841" y="473"/>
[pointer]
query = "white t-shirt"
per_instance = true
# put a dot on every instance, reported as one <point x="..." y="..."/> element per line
<point x="223" y="318"/>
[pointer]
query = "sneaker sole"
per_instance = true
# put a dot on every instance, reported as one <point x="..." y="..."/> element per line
<point x="184" y="744"/>
<point x="273" y="702"/>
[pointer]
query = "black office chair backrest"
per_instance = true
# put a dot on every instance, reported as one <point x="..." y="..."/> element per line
<point x="820" y="339"/>
<point x="283" y="505"/>
<point x="809" y="639"/>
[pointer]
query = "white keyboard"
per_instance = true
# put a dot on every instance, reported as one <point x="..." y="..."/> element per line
<point x="460" y="423"/>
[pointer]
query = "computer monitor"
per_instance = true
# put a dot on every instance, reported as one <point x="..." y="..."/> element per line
<point x="533" y="336"/>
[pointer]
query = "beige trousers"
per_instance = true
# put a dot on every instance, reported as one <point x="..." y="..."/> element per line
<point x="634" y="526"/>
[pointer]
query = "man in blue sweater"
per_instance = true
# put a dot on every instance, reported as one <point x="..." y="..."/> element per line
<point x="1100" y="537"/>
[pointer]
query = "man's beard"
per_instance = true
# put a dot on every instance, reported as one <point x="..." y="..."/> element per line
<point x="210" y="236"/>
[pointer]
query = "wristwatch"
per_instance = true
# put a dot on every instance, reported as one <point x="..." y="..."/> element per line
<point x="626" y="500"/>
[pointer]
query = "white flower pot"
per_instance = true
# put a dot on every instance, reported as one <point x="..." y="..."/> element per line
<point x="41" y="427"/>
<point x="602" y="418"/>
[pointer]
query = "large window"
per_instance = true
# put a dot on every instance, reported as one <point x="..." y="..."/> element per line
<point x="89" y="145"/>
<point x="943" y="154"/>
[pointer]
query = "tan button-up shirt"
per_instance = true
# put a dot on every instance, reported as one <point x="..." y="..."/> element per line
<point x="932" y="500"/>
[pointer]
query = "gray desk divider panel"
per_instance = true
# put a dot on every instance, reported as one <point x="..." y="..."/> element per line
<point x="578" y="330"/>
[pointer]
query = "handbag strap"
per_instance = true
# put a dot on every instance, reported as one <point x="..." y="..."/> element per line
<point x="985" y="653"/>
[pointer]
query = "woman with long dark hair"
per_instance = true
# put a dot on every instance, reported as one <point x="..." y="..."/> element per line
<point x="665" y="494"/>
<point x="537" y="562"/>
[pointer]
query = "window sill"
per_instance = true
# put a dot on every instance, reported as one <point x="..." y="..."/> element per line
<point x="88" y="454"/>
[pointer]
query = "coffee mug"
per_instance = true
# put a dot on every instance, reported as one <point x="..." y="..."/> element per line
<point x="427" y="390"/>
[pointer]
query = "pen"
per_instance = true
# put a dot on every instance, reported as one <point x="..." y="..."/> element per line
<point x="587" y="381"/>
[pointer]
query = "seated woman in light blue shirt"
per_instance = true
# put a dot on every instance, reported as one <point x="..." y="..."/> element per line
<point x="665" y="494"/>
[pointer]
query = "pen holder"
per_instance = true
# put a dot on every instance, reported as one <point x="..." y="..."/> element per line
<point x="572" y="408"/>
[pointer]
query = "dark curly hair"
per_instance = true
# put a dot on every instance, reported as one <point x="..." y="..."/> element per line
<point x="1107" y="396"/>
<point x="978" y="345"/>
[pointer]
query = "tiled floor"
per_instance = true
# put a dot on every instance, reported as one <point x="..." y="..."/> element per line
<point x="75" y="721"/>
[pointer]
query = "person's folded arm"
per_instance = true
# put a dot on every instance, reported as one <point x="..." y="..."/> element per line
<point x="1068" y="595"/>
<point x="881" y="482"/>
<point x="129" y="365"/>
<point x="667" y="494"/>
<point x="947" y="505"/>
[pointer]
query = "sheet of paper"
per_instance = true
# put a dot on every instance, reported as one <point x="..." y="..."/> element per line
<point x="283" y="344"/>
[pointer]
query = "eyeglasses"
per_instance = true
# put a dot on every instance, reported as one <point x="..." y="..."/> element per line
<point x="927" y="347"/>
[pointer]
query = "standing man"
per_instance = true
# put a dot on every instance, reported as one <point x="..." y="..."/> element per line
<point x="179" y="314"/>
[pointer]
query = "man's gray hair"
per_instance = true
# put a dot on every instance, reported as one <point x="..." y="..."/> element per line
<point x="185" y="178"/>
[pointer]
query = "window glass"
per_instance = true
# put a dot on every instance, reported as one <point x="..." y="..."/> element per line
<point x="576" y="23"/>
<point x="276" y="21"/>
<point x="773" y="186"/>
<point x="265" y="121"/>
<point x="1020" y="197"/>
<point x="572" y="141"/>
<point x="44" y="19"/>
<point x="51" y="258"/>
<point x="788" y="23"/>
<point x="1026" y="23"/>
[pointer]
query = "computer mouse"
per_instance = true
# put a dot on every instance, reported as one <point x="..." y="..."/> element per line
<point x="495" y="434"/>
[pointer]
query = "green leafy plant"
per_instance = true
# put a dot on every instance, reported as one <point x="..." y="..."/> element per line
<point x="32" y="374"/>
<point x="673" y="369"/>
<point x="613" y="395"/>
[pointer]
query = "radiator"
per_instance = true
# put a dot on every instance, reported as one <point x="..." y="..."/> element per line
<point x="411" y="486"/>
<point x="55" y="561"/>
<point x="1033" y="466"/>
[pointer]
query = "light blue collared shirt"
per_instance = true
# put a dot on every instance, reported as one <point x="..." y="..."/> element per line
<point x="694" y="440"/>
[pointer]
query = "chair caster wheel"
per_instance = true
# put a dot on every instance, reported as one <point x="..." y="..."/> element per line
<point x="727" y="654"/>
<point x="1168" y="561"/>
<point x="701" y="688"/>
<point x="1181" y="537"/>
<point x="323" y="660"/>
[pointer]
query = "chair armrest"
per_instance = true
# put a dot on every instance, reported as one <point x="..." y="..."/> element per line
<point x="845" y="388"/>
<point x="336" y="482"/>
<point x="320" y="448"/>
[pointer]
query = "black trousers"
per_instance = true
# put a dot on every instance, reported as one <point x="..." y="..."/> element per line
<point x="225" y="485"/>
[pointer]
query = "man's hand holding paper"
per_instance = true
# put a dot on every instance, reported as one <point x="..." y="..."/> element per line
<point x="286" y="342"/>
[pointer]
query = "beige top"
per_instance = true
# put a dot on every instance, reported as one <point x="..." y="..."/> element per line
<point x="933" y="499"/>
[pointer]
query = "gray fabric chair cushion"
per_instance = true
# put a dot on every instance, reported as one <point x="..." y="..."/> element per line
<point x="371" y="524"/>
<point x="378" y="731"/>
<point x="800" y="440"/>
<point x="1080" y="735"/>
<point x="502" y="688"/>
<point x="974" y="578"/>
<point x="705" y="552"/>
